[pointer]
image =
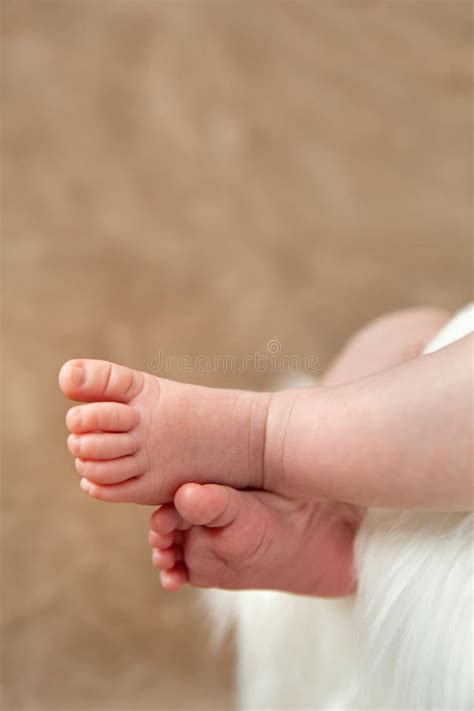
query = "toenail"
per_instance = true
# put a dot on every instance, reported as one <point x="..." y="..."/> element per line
<point x="78" y="375"/>
<point x="85" y="485"/>
<point x="78" y="465"/>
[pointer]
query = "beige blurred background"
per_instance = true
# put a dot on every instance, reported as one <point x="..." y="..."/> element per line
<point x="198" y="177"/>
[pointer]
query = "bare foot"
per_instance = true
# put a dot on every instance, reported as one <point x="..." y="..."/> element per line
<point x="140" y="437"/>
<point x="215" y="536"/>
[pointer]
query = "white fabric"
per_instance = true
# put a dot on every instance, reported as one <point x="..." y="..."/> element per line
<point x="404" y="641"/>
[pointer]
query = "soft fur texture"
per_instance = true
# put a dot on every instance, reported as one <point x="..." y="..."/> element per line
<point x="404" y="641"/>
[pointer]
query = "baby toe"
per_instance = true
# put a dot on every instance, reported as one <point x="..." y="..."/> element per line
<point x="100" y="446"/>
<point x="167" y="519"/>
<point x="89" y="380"/>
<point x="125" y="492"/>
<point x="166" y="558"/>
<point x="208" y="504"/>
<point x="161" y="540"/>
<point x="174" y="579"/>
<point x="110" y="471"/>
<point x="102" y="416"/>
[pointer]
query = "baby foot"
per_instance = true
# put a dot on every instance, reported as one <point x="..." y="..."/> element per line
<point x="139" y="437"/>
<point x="215" y="536"/>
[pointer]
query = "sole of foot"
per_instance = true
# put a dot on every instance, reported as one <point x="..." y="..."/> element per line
<point x="215" y="536"/>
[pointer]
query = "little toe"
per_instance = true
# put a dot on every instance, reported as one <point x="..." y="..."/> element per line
<point x="102" y="416"/>
<point x="99" y="446"/>
<point x="124" y="492"/>
<point x="208" y="504"/>
<point x="166" y="558"/>
<point x="111" y="471"/>
<point x="174" y="579"/>
<point x="89" y="380"/>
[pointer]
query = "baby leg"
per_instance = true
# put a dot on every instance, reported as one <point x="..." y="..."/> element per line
<point x="384" y="342"/>
<point x="191" y="556"/>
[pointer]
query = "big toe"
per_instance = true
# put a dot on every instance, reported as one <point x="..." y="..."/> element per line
<point x="230" y="532"/>
<point x="210" y="505"/>
<point x="88" y="380"/>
